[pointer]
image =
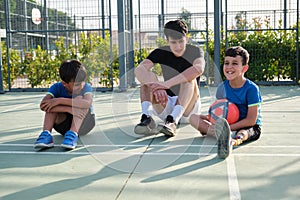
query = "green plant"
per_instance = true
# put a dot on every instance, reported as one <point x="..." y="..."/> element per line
<point x="100" y="62"/>
<point x="267" y="62"/>
<point x="15" y="63"/>
<point x="38" y="68"/>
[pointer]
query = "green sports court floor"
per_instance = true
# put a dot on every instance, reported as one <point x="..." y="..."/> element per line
<point x="114" y="163"/>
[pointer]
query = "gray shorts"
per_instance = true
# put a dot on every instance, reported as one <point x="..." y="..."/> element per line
<point x="86" y="126"/>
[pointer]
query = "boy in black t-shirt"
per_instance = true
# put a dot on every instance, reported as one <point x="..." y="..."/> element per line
<point x="177" y="97"/>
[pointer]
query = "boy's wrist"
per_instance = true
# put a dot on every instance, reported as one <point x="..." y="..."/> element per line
<point x="168" y="84"/>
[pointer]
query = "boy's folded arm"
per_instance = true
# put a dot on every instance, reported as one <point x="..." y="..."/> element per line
<point x="61" y="109"/>
<point x="44" y="101"/>
<point x="189" y="74"/>
<point x="250" y="119"/>
<point x="79" y="112"/>
<point x="79" y="102"/>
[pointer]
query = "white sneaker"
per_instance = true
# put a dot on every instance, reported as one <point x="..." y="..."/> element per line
<point x="223" y="134"/>
<point x="169" y="128"/>
<point x="146" y="126"/>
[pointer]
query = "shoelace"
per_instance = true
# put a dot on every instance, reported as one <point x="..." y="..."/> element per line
<point x="70" y="137"/>
<point x="43" y="135"/>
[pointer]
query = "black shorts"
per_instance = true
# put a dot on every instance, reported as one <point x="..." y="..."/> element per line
<point x="87" y="125"/>
<point x="254" y="132"/>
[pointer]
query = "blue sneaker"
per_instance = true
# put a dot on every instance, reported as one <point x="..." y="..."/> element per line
<point x="45" y="140"/>
<point x="70" y="140"/>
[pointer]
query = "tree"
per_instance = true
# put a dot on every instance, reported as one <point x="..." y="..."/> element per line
<point x="186" y="16"/>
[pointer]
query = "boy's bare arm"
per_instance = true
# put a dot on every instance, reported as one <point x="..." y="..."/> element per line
<point x="187" y="75"/>
<point x="45" y="101"/>
<point x="250" y="119"/>
<point x="78" y="102"/>
<point x="143" y="72"/>
<point x="79" y="112"/>
<point x="146" y="77"/>
<point x="48" y="103"/>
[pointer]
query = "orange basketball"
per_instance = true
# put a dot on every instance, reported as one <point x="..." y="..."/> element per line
<point x="223" y="108"/>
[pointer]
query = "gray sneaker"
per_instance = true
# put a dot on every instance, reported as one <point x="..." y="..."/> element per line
<point x="223" y="134"/>
<point x="146" y="126"/>
<point x="169" y="129"/>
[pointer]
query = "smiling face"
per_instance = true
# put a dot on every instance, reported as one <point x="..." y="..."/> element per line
<point x="177" y="46"/>
<point x="233" y="68"/>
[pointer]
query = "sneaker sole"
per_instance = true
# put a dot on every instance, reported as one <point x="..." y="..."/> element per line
<point x="222" y="131"/>
<point x="144" y="130"/>
<point x="166" y="131"/>
<point x="42" y="145"/>
<point x="68" y="146"/>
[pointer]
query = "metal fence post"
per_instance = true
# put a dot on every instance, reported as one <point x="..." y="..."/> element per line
<point x="297" y="45"/>
<point x="217" y="48"/>
<point x="1" y="74"/>
<point x="131" y="76"/>
<point x="8" y="39"/>
<point x="121" y="44"/>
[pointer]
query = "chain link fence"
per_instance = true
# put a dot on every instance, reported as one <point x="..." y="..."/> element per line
<point x="89" y="32"/>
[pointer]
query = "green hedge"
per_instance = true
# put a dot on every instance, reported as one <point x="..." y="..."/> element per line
<point x="41" y="67"/>
<point x="272" y="53"/>
<point x="272" y="56"/>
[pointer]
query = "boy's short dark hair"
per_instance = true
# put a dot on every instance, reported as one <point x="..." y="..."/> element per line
<point x="238" y="51"/>
<point x="72" y="70"/>
<point x="175" y="29"/>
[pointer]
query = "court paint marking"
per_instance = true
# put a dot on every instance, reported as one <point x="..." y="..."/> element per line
<point x="279" y="100"/>
<point x="233" y="183"/>
<point x="152" y="145"/>
<point x="145" y="153"/>
<point x="16" y="108"/>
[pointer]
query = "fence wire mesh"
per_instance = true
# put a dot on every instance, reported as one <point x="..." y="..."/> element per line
<point x="48" y="23"/>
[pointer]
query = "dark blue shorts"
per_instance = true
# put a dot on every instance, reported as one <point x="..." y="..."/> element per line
<point x="254" y="132"/>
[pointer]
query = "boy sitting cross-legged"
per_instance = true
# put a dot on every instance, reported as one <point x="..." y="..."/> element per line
<point x="68" y="107"/>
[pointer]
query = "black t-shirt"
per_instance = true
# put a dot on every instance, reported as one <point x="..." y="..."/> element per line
<point x="172" y="65"/>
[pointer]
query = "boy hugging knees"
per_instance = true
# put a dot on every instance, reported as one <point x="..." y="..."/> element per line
<point x="68" y="107"/>
<point x="177" y="97"/>
<point x="242" y="92"/>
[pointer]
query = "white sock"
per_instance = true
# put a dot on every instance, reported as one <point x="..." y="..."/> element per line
<point x="146" y="105"/>
<point x="48" y="131"/>
<point x="177" y="113"/>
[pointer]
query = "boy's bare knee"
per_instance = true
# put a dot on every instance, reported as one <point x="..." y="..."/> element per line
<point x="193" y="118"/>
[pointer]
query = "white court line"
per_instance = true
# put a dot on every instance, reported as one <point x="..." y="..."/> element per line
<point x="152" y="145"/>
<point x="279" y="100"/>
<point x="116" y="145"/>
<point x="15" y="108"/>
<point x="145" y="153"/>
<point x="233" y="183"/>
<point x="100" y="153"/>
<point x="44" y="153"/>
